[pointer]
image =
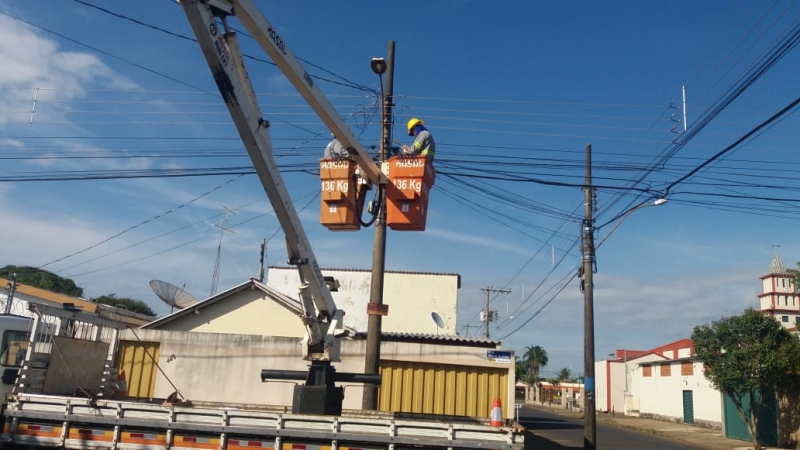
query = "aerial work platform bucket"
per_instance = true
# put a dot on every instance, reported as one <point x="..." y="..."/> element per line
<point x="339" y="208"/>
<point x="410" y="180"/>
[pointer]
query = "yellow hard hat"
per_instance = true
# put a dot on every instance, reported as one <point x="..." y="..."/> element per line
<point x="412" y="123"/>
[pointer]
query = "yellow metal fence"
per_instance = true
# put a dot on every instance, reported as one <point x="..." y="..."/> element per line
<point x="441" y="388"/>
<point x="136" y="358"/>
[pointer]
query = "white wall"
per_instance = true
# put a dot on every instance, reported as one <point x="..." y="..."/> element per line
<point x="226" y="368"/>
<point x="411" y="298"/>
<point x="662" y="396"/>
<point x="634" y="384"/>
<point x="609" y="385"/>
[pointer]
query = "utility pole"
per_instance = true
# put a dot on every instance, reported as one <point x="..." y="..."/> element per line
<point x="488" y="315"/>
<point x="10" y="297"/>
<point x="589" y="413"/>
<point x="376" y="309"/>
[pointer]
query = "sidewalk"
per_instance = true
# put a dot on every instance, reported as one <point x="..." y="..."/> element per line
<point x="699" y="436"/>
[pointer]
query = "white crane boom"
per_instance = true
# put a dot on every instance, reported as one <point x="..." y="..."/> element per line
<point x="221" y="50"/>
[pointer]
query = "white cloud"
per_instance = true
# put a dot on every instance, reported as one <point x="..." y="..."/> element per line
<point x="476" y="240"/>
<point x="31" y="60"/>
<point x="635" y="313"/>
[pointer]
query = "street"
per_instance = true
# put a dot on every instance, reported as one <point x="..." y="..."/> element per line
<point x="553" y="432"/>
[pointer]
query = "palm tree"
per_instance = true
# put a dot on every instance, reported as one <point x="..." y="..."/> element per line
<point x="563" y="374"/>
<point x="536" y="358"/>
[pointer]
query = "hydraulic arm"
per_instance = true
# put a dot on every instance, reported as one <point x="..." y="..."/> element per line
<point x="208" y="19"/>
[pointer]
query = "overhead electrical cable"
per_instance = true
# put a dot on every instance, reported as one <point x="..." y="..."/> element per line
<point x="347" y="83"/>
<point x="133" y="227"/>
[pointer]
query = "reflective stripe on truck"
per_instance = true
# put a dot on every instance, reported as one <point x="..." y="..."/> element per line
<point x="127" y="437"/>
<point x="27" y="429"/>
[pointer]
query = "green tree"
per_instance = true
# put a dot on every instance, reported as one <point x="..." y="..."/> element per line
<point x="744" y="355"/>
<point x="563" y="375"/>
<point x="521" y="370"/>
<point x="42" y="279"/>
<point x="536" y="358"/>
<point x="127" y="303"/>
<point x="796" y="273"/>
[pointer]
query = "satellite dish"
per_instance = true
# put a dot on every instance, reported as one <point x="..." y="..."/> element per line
<point x="437" y="319"/>
<point x="172" y="295"/>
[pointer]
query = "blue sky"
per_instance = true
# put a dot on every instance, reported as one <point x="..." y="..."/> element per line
<point x="509" y="92"/>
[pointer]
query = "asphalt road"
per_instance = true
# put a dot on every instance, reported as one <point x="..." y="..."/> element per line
<point x="556" y="432"/>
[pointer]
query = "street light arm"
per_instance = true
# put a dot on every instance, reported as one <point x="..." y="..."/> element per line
<point x="624" y="216"/>
<point x="658" y="202"/>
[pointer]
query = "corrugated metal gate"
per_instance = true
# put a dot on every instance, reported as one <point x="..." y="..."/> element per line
<point x="136" y="358"/>
<point x="441" y="388"/>
<point x="736" y="428"/>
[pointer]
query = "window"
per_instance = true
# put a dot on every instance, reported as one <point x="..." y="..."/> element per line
<point x="796" y="319"/>
<point x="784" y="318"/>
<point x="687" y="368"/>
<point x="14" y="345"/>
<point x="647" y="371"/>
<point x="666" y="369"/>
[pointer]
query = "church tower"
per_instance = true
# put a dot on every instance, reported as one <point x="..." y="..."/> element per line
<point x="779" y="297"/>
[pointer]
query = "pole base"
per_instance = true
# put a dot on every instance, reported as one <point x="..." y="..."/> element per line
<point x="319" y="400"/>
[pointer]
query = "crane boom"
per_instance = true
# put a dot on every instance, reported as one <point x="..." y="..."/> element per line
<point x="320" y="317"/>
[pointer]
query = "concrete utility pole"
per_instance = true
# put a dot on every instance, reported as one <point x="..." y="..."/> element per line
<point x="589" y="413"/>
<point x="488" y="315"/>
<point x="376" y="309"/>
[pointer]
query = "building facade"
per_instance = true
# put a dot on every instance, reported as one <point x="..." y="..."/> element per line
<point x="615" y="388"/>
<point x="677" y="391"/>
<point x="412" y="297"/>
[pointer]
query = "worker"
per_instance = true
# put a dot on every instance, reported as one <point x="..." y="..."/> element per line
<point x="423" y="140"/>
<point x="335" y="150"/>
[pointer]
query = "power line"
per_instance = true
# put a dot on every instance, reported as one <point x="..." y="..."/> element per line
<point x="347" y="83"/>
<point x="732" y="146"/>
<point x="158" y="216"/>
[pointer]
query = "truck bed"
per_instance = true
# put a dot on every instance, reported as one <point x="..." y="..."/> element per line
<point x="80" y="423"/>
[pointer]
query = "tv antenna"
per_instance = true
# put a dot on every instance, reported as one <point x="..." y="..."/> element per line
<point x="172" y="295"/>
<point x="222" y="231"/>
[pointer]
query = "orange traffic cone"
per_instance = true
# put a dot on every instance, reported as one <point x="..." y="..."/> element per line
<point x="122" y="386"/>
<point x="496" y="419"/>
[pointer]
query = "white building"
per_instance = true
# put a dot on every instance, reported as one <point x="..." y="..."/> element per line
<point x="615" y="388"/>
<point x="411" y="297"/>
<point x="663" y="383"/>
<point x="677" y="391"/>
<point x="666" y="383"/>
<point x="779" y="295"/>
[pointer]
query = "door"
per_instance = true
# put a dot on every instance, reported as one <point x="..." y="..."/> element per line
<point x="688" y="407"/>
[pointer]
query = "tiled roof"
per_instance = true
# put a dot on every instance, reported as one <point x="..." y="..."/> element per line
<point x="677" y="345"/>
<point x="109" y="312"/>
<point x="50" y="296"/>
<point x="271" y="293"/>
<point x="777" y="265"/>
<point x="469" y="341"/>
